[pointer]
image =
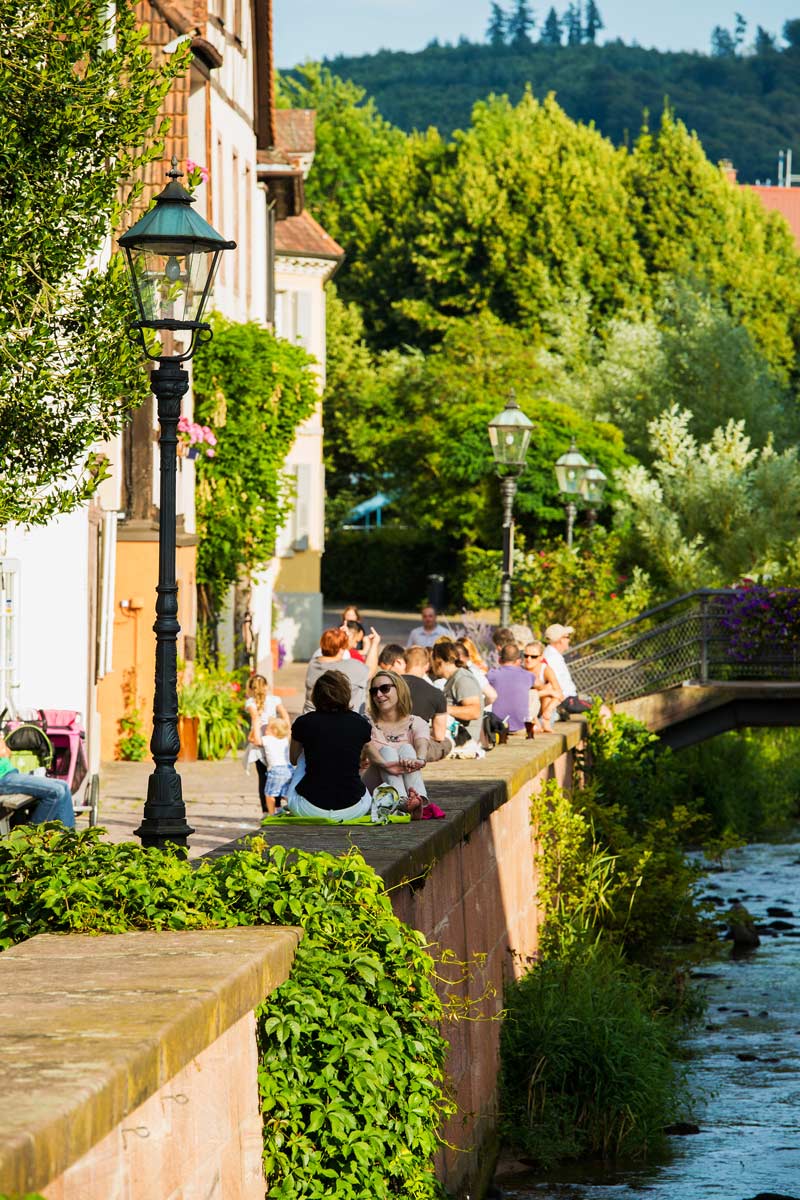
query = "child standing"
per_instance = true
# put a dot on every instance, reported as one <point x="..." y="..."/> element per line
<point x="261" y="707"/>
<point x="279" y="769"/>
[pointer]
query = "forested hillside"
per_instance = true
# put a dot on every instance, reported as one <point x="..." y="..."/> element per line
<point x="743" y="100"/>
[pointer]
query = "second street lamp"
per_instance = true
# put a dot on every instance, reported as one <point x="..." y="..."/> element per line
<point x="570" y="471"/>
<point x="172" y="255"/>
<point x="509" y="437"/>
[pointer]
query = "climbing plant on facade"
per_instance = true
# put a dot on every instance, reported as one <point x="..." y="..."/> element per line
<point x="78" y="118"/>
<point x="253" y="390"/>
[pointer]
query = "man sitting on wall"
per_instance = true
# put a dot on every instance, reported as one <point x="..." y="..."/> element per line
<point x="513" y="685"/>
<point x="557" y="638"/>
<point x="427" y="702"/>
<point x="53" y="797"/>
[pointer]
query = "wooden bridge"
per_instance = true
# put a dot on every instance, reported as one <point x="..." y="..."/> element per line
<point x="705" y="663"/>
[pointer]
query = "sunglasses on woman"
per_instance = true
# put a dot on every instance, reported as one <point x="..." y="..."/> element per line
<point x="381" y="689"/>
<point x="531" y="656"/>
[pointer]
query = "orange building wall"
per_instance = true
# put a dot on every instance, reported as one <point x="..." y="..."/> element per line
<point x="134" y="640"/>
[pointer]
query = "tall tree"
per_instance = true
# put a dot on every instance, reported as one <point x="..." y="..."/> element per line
<point x="723" y="43"/>
<point x="496" y="30"/>
<point x="552" y="32"/>
<point x="739" y="32"/>
<point x="520" y="23"/>
<point x="72" y="104"/>
<point x="765" y="42"/>
<point x="791" y="34"/>
<point x="574" y="23"/>
<point x="594" y="22"/>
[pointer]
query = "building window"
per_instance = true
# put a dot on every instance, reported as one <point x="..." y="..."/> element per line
<point x="248" y="257"/>
<point x="237" y="272"/>
<point x="219" y="196"/>
<point x="295" y="534"/>
<point x="293" y="318"/>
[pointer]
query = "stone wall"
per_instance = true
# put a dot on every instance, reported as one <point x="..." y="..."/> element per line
<point x="128" y="1063"/>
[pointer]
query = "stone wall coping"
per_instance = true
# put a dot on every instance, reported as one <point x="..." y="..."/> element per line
<point x="469" y="791"/>
<point x="91" y="1026"/>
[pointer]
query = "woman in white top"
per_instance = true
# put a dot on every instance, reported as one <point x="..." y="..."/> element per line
<point x="261" y="706"/>
<point x="398" y="748"/>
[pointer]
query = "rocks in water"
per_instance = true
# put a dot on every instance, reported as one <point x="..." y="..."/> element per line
<point x="681" y="1129"/>
<point x="742" y="929"/>
<point x="763" y="1013"/>
<point x="780" y="925"/>
<point x="779" y="912"/>
<point x="747" y="1057"/>
<point x="773" y="1196"/>
<point x="713" y="1028"/>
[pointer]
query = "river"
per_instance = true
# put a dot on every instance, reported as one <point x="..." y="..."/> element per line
<point x="744" y="1066"/>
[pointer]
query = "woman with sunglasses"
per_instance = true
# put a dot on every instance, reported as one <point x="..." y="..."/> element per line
<point x="398" y="747"/>
<point x="545" y="683"/>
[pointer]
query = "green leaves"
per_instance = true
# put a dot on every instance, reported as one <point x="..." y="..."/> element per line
<point x="75" y="113"/>
<point x="351" y="1057"/>
<point x="253" y="390"/>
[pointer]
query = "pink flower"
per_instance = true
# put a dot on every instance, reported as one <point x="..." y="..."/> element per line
<point x="211" y="453"/>
<point x="183" y="425"/>
<point x="236" y="687"/>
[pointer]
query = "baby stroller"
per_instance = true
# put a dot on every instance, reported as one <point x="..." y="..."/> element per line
<point x="53" y="742"/>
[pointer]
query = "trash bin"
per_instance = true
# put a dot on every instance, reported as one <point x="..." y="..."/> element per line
<point x="436" y="591"/>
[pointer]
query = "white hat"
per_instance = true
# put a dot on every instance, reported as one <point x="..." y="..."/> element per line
<point x="554" y="632"/>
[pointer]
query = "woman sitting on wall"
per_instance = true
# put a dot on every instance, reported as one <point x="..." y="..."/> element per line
<point x="326" y="748"/>
<point x="397" y="750"/>
<point x="332" y="646"/>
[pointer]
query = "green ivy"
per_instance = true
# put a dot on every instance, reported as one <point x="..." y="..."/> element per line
<point x="351" y="1070"/>
<point x="253" y="390"/>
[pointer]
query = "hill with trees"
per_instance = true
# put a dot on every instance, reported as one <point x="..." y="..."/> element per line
<point x="742" y="98"/>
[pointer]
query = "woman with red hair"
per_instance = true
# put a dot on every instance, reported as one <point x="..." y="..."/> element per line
<point x="332" y="646"/>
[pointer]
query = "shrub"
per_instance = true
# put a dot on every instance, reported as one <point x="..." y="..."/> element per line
<point x="388" y="567"/>
<point x="586" y="1064"/>
<point x="351" y="1076"/>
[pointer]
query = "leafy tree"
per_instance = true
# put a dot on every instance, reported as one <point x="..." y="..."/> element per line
<point x="689" y="221"/>
<point x="708" y="513"/>
<point x="574" y="23"/>
<point x="353" y="142"/>
<point x="496" y="31"/>
<point x="523" y="185"/>
<point x="520" y="23"/>
<point x="690" y="352"/>
<point x="253" y="390"/>
<point x="72" y="106"/>
<point x="436" y="459"/>
<point x="740" y="31"/>
<point x="552" y="31"/>
<point x="594" y="22"/>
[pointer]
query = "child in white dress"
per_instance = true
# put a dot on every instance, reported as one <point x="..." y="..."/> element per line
<point x="279" y="769"/>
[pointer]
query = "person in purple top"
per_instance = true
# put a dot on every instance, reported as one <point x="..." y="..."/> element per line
<point x="513" y="686"/>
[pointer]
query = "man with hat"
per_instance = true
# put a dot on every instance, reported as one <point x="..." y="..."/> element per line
<point x="557" y="638"/>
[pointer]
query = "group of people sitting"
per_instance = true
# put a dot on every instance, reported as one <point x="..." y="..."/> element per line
<point x="373" y="718"/>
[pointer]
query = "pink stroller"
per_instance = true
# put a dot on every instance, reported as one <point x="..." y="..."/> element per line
<point x="63" y="727"/>
<point x="61" y="751"/>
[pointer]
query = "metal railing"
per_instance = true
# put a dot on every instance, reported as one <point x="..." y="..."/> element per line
<point x="696" y="638"/>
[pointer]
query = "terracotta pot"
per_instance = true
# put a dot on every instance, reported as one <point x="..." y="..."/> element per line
<point x="188" y="729"/>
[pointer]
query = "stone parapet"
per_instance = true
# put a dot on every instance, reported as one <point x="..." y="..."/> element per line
<point x="128" y="1063"/>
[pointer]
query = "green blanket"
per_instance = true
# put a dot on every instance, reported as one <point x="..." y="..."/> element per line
<point x="290" y="820"/>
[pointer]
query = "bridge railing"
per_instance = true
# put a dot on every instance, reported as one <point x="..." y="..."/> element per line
<point x="710" y="635"/>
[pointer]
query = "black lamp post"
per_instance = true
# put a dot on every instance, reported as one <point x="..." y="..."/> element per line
<point x="570" y="471"/>
<point x="509" y="437"/>
<point x="172" y="256"/>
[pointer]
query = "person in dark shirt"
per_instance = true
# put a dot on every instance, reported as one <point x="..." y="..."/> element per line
<point x="326" y="748"/>
<point x="427" y="702"/>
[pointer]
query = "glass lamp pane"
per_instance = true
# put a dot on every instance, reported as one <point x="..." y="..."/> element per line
<point x="170" y="286"/>
<point x="570" y="471"/>
<point x="594" y="481"/>
<point x="509" y="437"/>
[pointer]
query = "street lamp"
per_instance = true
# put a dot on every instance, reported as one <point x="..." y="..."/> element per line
<point x="509" y="436"/>
<point x="592" y="487"/>
<point x="172" y="256"/>
<point x="571" y="471"/>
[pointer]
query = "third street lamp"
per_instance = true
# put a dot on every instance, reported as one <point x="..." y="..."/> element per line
<point x="172" y="255"/>
<point x="509" y="436"/>
<point x="570" y="471"/>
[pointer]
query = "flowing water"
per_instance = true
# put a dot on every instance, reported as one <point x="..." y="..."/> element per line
<point x="745" y="1063"/>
